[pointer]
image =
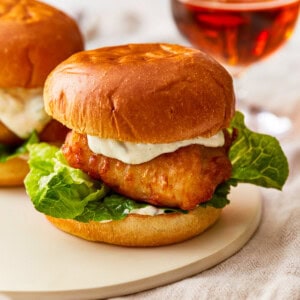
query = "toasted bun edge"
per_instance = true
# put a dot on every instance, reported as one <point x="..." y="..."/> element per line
<point x="142" y="93"/>
<point x="143" y="231"/>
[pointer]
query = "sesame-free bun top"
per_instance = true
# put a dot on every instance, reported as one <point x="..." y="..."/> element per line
<point x="142" y="93"/>
<point x="34" y="38"/>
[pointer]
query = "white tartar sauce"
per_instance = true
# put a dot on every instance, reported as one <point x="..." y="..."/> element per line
<point x="148" y="210"/>
<point x="22" y="110"/>
<point x="132" y="153"/>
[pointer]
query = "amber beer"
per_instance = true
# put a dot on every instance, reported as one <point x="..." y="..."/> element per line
<point x="237" y="33"/>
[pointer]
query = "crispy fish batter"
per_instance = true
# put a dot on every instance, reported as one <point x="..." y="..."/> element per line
<point x="182" y="179"/>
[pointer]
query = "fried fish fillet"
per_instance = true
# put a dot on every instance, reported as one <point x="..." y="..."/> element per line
<point x="181" y="179"/>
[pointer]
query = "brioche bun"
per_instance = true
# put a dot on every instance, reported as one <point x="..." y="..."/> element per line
<point x="34" y="38"/>
<point x="143" y="231"/>
<point x="143" y="93"/>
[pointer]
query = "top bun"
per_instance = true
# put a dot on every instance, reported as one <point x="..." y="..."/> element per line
<point x="34" y="38"/>
<point x="142" y="93"/>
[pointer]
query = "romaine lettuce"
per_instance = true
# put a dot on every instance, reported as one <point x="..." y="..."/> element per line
<point x="8" y="152"/>
<point x="257" y="158"/>
<point x="58" y="190"/>
<point x="61" y="191"/>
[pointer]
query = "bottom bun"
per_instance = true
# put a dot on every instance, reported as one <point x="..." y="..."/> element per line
<point x="13" y="172"/>
<point x="143" y="231"/>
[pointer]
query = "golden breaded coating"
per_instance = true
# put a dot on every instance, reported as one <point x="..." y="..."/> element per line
<point x="181" y="179"/>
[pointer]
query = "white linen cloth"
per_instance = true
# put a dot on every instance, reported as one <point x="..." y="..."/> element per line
<point x="268" y="266"/>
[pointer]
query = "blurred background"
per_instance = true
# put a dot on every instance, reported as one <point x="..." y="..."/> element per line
<point x="274" y="81"/>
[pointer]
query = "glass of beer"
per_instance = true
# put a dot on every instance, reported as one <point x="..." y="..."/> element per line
<point x="238" y="33"/>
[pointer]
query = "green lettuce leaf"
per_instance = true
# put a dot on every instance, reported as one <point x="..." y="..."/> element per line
<point x="58" y="190"/>
<point x="55" y="188"/>
<point x="8" y="152"/>
<point x="219" y="198"/>
<point x="257" y="158"/>
<point x="61" y="191"/>
<point x="115" y="207"/>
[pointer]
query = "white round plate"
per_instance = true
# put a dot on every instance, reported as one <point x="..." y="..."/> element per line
<point x="37" y="261"/>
